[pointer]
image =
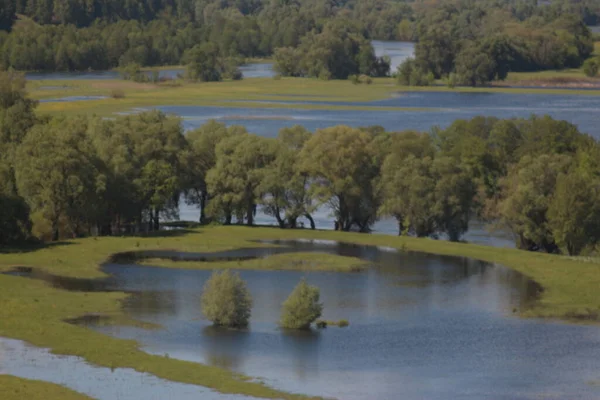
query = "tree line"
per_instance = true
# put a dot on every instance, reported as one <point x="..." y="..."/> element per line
<point x="464" y="41"/>
<point x="473" y="43"/>
<point x="76" y="176"/>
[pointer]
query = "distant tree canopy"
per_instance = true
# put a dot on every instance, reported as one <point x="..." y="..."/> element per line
<point x="477" y="42"/>
<point x="76" y="176"/>
<point x="308" y="38"/>
<point x="339" y="51"/>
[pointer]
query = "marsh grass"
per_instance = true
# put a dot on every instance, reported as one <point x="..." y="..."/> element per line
<point x="14" y="388"/>
<point x="245" y="93"/>
<point x="302" y="261"/>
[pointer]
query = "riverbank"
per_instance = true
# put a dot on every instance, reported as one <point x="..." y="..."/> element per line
<point x="248" y="93"/>
<point x="34" y="312"/>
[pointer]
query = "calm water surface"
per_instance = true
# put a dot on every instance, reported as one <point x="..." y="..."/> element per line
<point x="421" y="327"/>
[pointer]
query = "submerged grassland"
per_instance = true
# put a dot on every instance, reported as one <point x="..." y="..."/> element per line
<point x="252" y="93"/>
<point x="34" y="312"/>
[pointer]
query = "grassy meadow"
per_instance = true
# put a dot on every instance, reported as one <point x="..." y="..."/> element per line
<point x="13" y="388"/>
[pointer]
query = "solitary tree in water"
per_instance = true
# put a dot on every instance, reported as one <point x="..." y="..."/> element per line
<point x="226" y="301"/>
<point x="302" y="307"/>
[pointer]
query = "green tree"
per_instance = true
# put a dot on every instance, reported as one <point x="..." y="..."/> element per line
<point x="202" y="158"/>
<point x="454" y="192"/>
<point x="411" y="74"/>
<point x="56" y="174"/>
<point x="7" y="14"/>
<point x="235" y="179"/>
<point x="527" y="193"/>
<point x="15" y="225"/>
<point x="409" y="193"/>
<point x="342" y="165"/>
<point x="474" y="66"/>
<point x="591" y="66"/>
<point x="573" y="212"/>
<point x="284" y="186"/>
<point x="226" y="300"/>
<point x="302" y="307"/>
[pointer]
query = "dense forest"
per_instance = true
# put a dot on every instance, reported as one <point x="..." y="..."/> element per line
<point x="453" y="36"/>
<point x="75" y="176"/>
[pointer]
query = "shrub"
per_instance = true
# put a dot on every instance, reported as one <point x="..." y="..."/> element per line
<point x="302" y="307"/>
<point x="321" y="324"/>
<point x="365" y="79"/>
<point x="591" y="66"/>
<point x="117" y="94"/>
<point x="226" y="301"/>
<point x="354" y="79"/>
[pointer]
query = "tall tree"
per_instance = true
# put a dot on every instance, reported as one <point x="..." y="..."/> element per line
<point x="341" y="163"/>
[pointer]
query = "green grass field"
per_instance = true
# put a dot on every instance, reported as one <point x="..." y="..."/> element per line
<point x="13" y="388"/>
<point x="36" y="313"/>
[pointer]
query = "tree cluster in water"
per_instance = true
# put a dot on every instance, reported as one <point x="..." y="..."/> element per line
<point x="469" y="42"/>
<point x="73" y="176"/>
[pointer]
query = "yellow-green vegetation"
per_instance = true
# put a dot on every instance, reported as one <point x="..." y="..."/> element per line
<point x="255" y="93"/>
<point x="34" y="312"/>
<point x="277" y="262"/>
<point x="13" y="388"/>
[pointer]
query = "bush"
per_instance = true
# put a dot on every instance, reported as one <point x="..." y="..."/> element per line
<point x="226" y="301"/>
<point x="302" y="307"/>
<point x="117" y="94"/>
<point x="591" y="66"/>
<point x="365" y="79"/>
<point x="354" y="79"/>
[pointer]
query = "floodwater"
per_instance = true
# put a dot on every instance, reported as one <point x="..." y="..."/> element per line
<point x="444" y="109"/>
<point x="421" y="327"/>
<point x="20" y="359"/>
<point x="429" y="109"/>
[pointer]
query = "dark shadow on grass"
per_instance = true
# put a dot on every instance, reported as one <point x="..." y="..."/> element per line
<point x="30" y="247"/>
<point x="177" y="232"/>
<point x="65" y="283"/>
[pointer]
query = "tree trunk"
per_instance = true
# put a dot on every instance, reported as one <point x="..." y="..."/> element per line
<point x="228" y="218"/>
<point x="55" y="232"/>
<point x="156" y="221"/>
<point x="203" y="198"/>
<point x="280" y="221"/>
<point x="250" y="214"/>
<point x="311" y="221"/>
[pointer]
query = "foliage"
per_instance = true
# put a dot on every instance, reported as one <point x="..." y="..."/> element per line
<point x="482" y="41"/>
<point x="339" y="51"/>
<point x="341" y="160"/>
<point x="591" y="66"/>
<point x="411" y="74"/>
<point x="226" y="301"/>
<point x="15" y="226"/>
<point x="302" y="307"/>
